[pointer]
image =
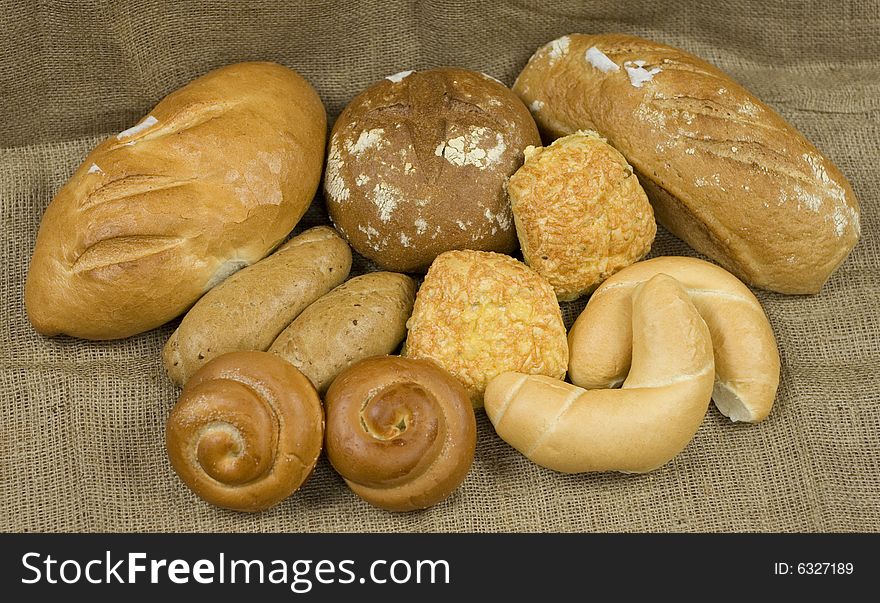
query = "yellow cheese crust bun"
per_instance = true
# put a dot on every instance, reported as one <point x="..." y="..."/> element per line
<point x="479" y="314"/>
<point x="580" y="213"/>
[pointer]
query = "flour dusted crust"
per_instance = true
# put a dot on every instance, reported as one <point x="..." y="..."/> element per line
<point x="580" y="213"/>
<point x="724" y="172"/>
<point x="418" y="163"/>
<point x="479" y="314"/>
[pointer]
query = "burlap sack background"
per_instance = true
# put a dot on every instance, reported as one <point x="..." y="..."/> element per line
<point x="82" y="423"/>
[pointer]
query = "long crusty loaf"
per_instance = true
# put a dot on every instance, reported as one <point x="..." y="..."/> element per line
<point x="724" y="172"/>
<point x="247" y="311"/>
<point x="213" y="179"/>
<point x="633" y="429"/>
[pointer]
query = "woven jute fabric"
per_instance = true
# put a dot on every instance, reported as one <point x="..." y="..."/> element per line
<point x="82" y="430"/>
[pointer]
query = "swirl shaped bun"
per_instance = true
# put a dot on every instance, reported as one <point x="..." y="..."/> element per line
<point x="400" y="431"/>
<point x="246" y="431"/>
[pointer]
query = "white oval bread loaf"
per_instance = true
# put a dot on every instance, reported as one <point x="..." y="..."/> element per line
<point x="247" y="311"/>
<point x="213" y="179"/>
<point x="724" y="172"/>
<point x="746" y="358"/>
<point x="633" y="429"/>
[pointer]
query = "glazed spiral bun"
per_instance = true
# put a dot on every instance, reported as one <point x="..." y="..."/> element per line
<point x="633" y="429"/>
<point x="400" y="431"/>
<point x="746" y="358"/>
<point x="246" y="431"/>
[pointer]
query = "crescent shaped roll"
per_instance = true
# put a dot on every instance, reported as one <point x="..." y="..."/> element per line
<point x="746" y="357"/>
<point x="633" y="429"/>
<point x="246" y="431"/>
<point x="400" y="431"/>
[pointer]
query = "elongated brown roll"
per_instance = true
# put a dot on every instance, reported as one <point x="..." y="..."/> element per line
<point x="249" y="309"/>
<point x="400" y="431"/>
<point x="246" y="431"/>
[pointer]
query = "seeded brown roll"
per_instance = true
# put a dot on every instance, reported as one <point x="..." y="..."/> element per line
<point x="363" y="317"/>
<point x="252" y="307"/>
<point x="400" y="431"/>
<point x="246" y="431"/>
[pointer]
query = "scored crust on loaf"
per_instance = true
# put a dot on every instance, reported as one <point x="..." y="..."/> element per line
<point x="580" y="213"/>
<point x="417" y="165"/>
<point x="724" y="172"/>
<point x="211" y="180"/>
<point x="479" y="314"/>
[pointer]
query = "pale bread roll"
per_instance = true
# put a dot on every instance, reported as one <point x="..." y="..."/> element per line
<point x="633" y="429"/>
<point x="746" y="357"/>
<point x="249" y="310"/>
<point x="724" y="171"/>
<point x="211" y="180"/>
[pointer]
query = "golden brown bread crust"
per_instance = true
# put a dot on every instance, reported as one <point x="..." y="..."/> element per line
<point x="746" y="359"/>
<point x="246" y="431"/>
<point x="400" y="431"/>
<point x="724" y="172"/>
<point x="213" y="179"/>
<point x="580" y="213"/>
<point x="417" y="165"/>
<point x="249" y="309"/>
<point x="479" y="314"/>
<point x="633" y="429"/>
<point x="363" y="317"/>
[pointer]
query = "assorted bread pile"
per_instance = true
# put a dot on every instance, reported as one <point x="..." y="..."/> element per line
<point x="442" y="173"/>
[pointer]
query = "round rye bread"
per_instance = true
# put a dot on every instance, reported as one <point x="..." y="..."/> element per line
<point x="418" y="164"/>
